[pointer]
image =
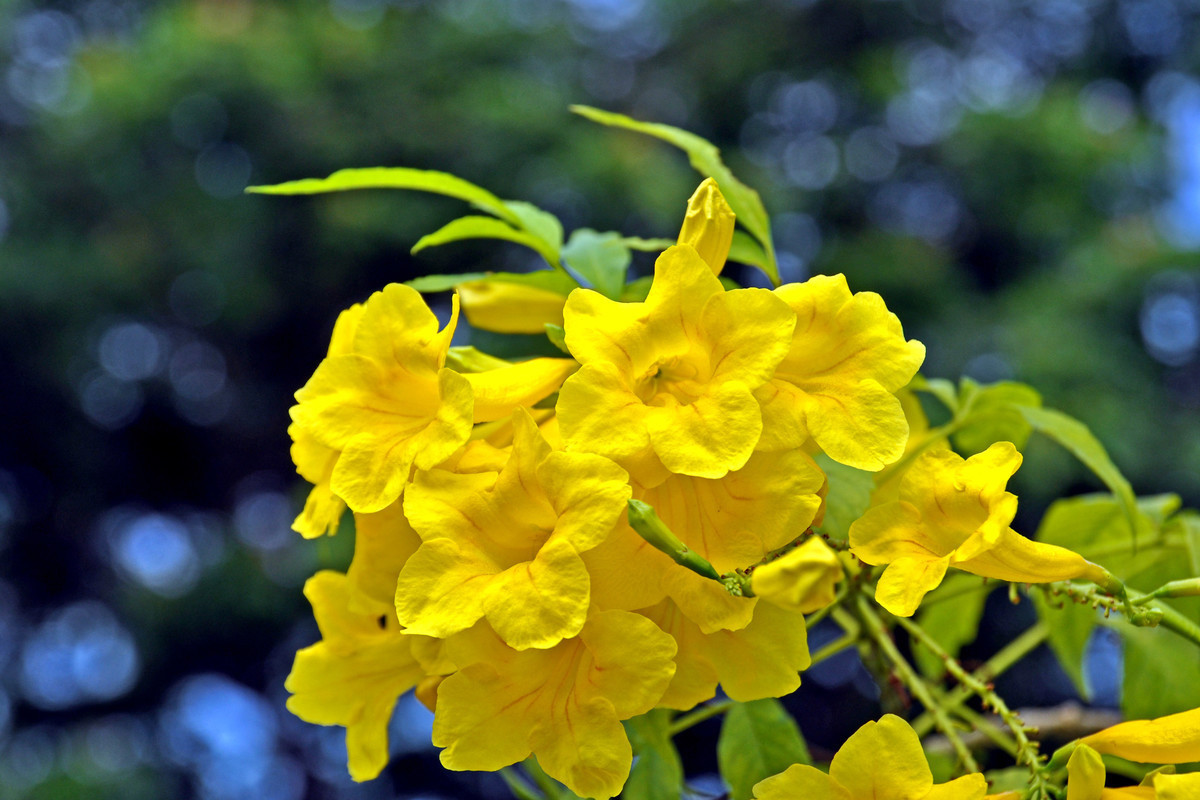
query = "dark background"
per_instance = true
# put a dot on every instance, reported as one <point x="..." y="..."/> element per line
<point x="1020" y="180"/>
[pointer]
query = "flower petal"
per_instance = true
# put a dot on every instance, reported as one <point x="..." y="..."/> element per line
<point x="1173" y="739"/>
<point x="709" y="437"/>
<point x="499" y="392"/>
<point x="884" y="761"/>
<point x="800" y="780"/>
<point x="906" y="581"/>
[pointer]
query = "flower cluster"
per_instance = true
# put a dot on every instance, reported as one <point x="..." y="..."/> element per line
<point x="496" y="571"/>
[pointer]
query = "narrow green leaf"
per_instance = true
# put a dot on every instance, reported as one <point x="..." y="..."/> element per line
<point x="647" y="245"/>
<point x="557" y="336"/>
<point x="539" y="223"/>
<point x="705" y="158"/>
<point x="599" y="258"/>
<point x="744" y="250"/>
<point x="1160" y="672"/>
<point x="1189" y="523"/>
<point x="992" y="416"/>
<point x="658" y="772"/>
<point x="420" y="180"/>
<point x="476" y="227"/>
<point x="758" y="739"/>
<point x="849" y="495"/>
<point x="550" y="280"/>
<point x="1075" y="437"/>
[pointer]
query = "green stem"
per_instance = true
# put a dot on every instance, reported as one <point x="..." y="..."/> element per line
<point x="685" y="721"/>
<point x="874" y="626"/>
<point x="1027" y="750"/>
<point x="1164" y="615"/>
<point x="520" y="789"/>
<point x="995" y="666"/>
<point x="833" y="648"/>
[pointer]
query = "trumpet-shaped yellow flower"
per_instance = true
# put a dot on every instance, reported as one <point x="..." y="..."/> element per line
<point x="510" y="307"/>
<point x="880" y="761"/>
<point x="733" y="522"/>
<point x="506" y="546"/>
<point x="314" y="461"/>
<point x="670" y="382"/>
<point x="764" y="659"/>
<point x="564" y="704"/>
<point x="388" y="403"/>
<point x="953" y="512"/>
<point x="353" y="676"/>
<point x="1174" y="739"/>
<point x="708" y="225"/>
<point x="803" y="580"/>
<point x="838" y="382"/>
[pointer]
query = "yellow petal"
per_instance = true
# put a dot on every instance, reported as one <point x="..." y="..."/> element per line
<point x="709" y="437"/>
<point x="706" y="602"/>
<point x="907" y="580"/>
<point x="598" y="413"/>
<point x="585" y="748"/>
<point x="397" y="328"/>
<point x="1176" y="787"/>
<point x="708" y="225"/>
<point x="1085" y="774"/>
<point x="800" y="780"/>
<point x="883" y="761"/>
<point x="353" y="676"/>
<point x="541" y="602"/>
<point x="804" y="580"/>
<point x="315" y="462"/>
<point x="510" y="307"/>
<point x="383" y="542"/>
<point x="1014" y="558"/>
<point x="442" y="587"/>
<point x="1174" y="739"/>
<point x="499" y="392"/>
<point x="966" y="787"/>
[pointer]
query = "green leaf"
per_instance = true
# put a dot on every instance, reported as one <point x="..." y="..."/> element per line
<point x="658" y="772"/>
<point x="647" y="245"/>
<point x="993" y="416"/>
<point x="539" y="223"/>
<point x="1075" y="437"/>
<point x="420" y="180"/>
<point x="600" y="258"/>
<point x="940" y="388"/>
<point x="1189" y="523"/>
<point x="849" y="495"/>
<point x="1160" y="672"/>
<point x="557" y="336"/>
<point x="476" y="227"/>
<point x="953" y="621"/>
<point x="705" y="158"/>
<point x="744" y="250"/>
<point x="758" y="739"/>
<point x="1070" y="626"/>
<point x="635" y="291"/>
<point x="1094" y="525"/>
<point x="550" y="280"/>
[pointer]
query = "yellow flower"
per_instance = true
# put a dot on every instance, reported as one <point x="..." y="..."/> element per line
<point x="804" y="579"/>
<point x="846" y="360"/>
<point x="1174" y="739"/>
<point x="953" y="512"/>
<point x="763" y="659"/>
<point x="563" y="704"/>
<point x="708" y="225"/>
<point x="506" y="546"/>
<point x="733" y="522"/>
<point x="353" y="676"/>
<point x="669" y="382"/>
<point x="388" y="404"/>
<point x="510" y="307"/>
<point x="880" y="761"/>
